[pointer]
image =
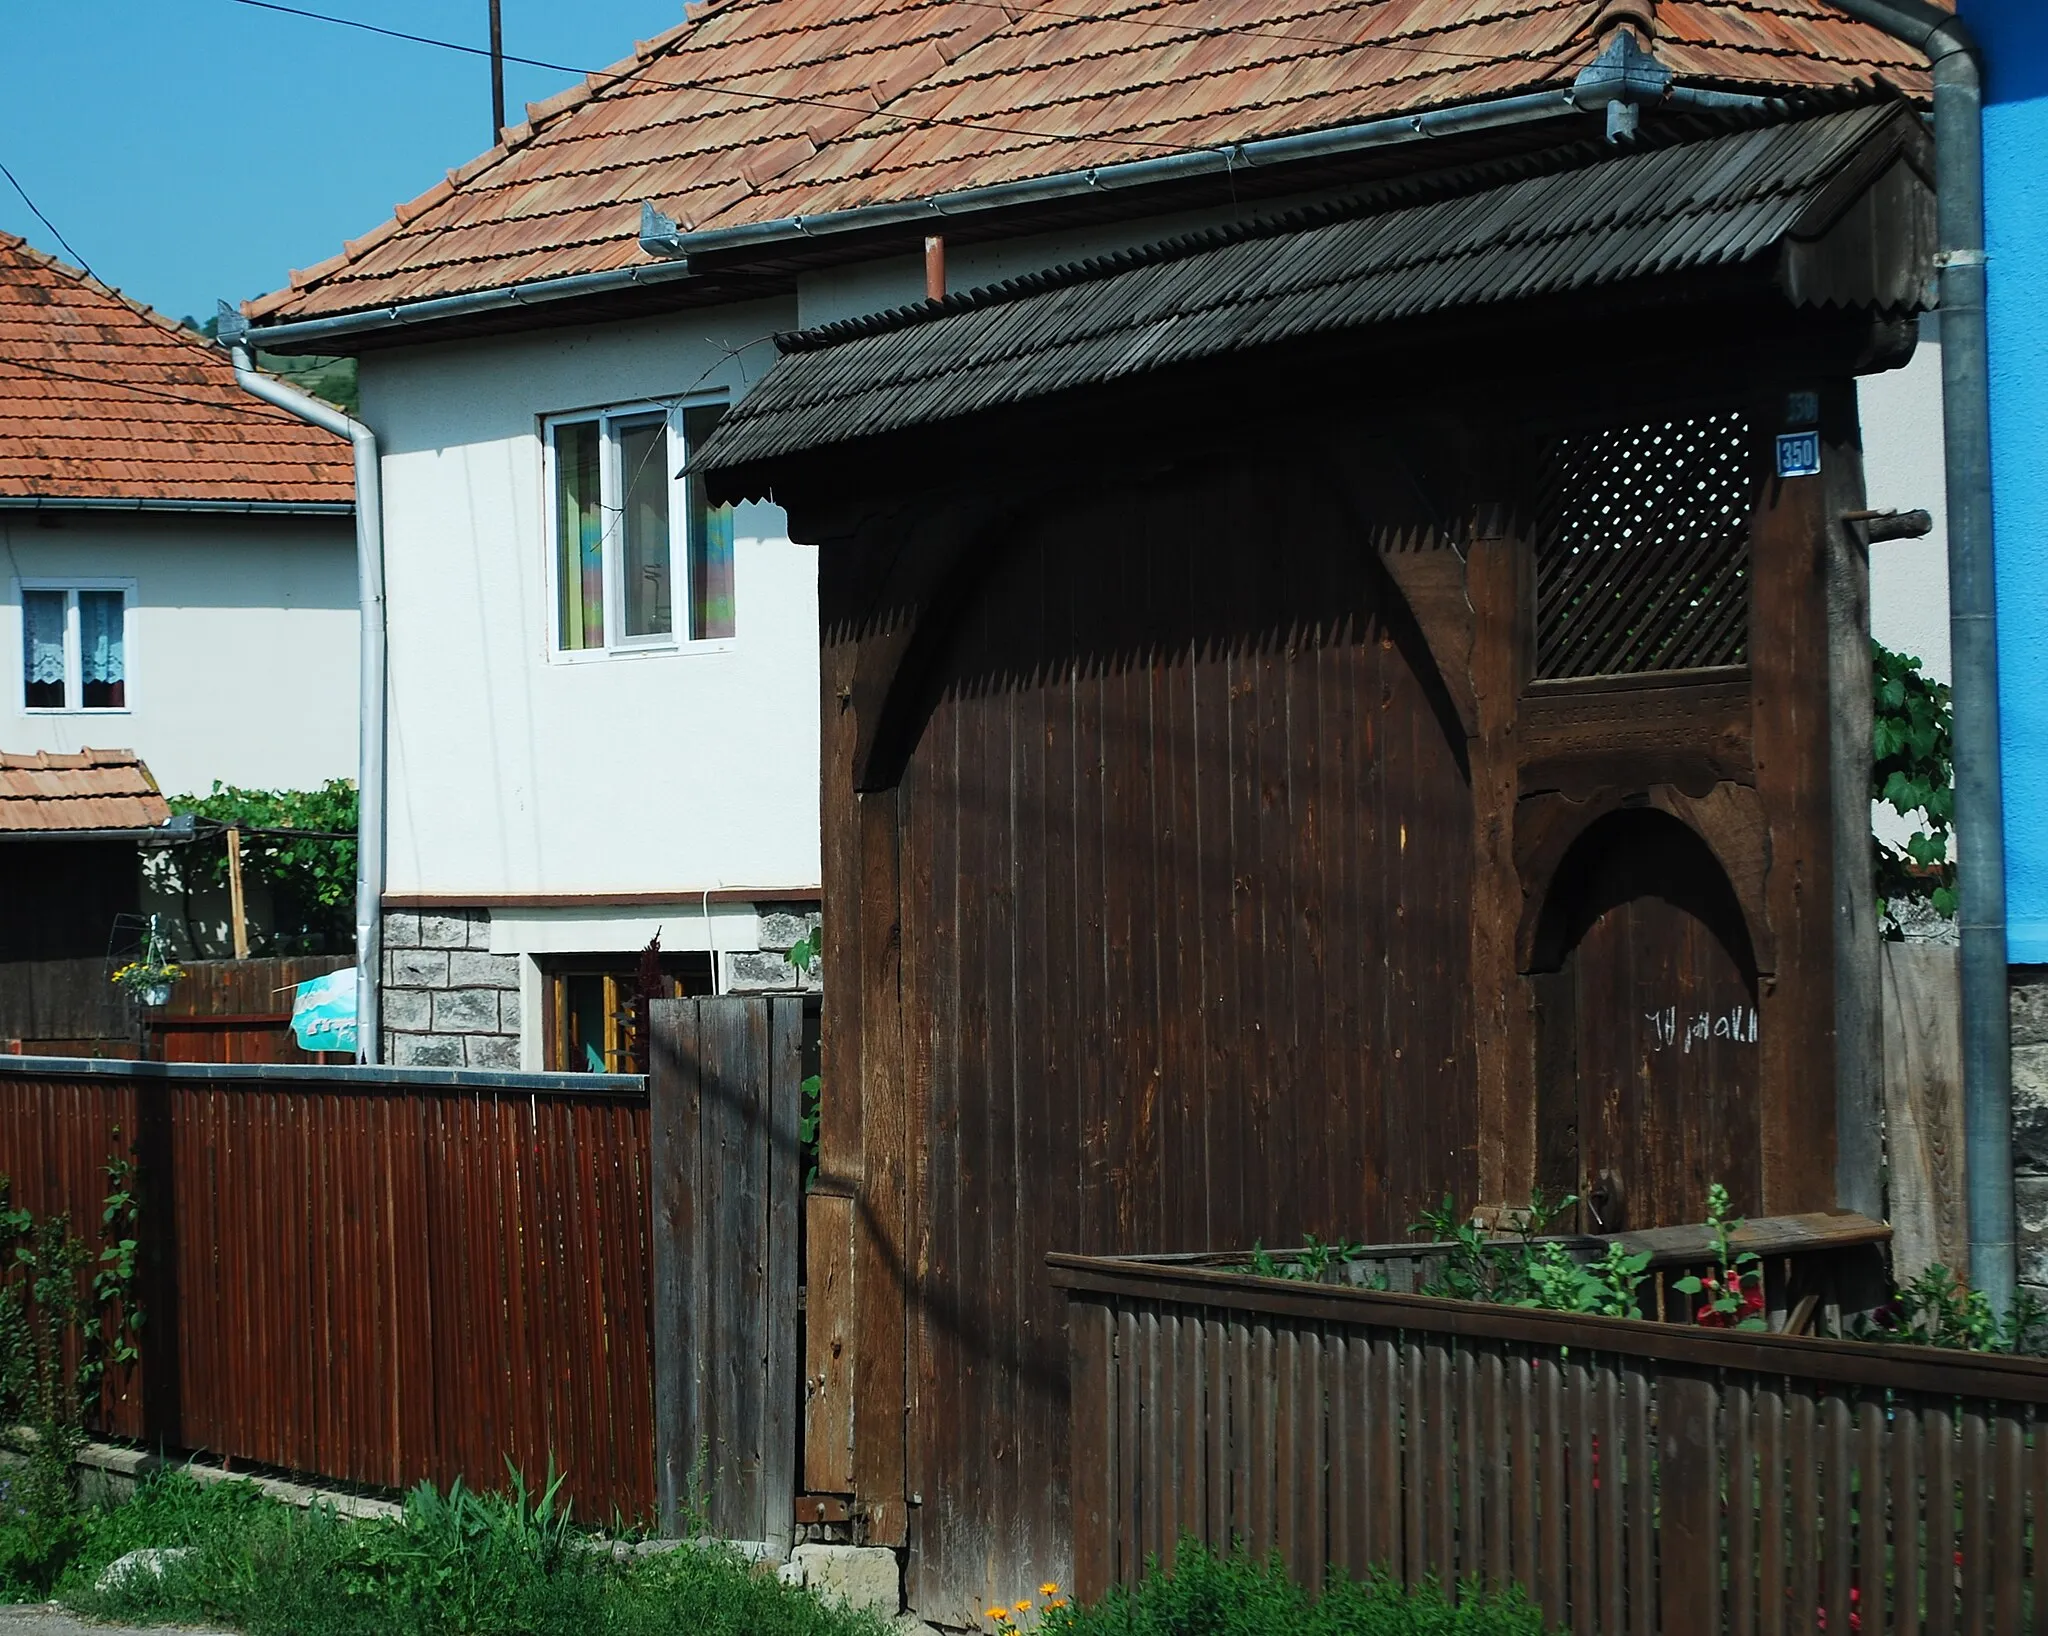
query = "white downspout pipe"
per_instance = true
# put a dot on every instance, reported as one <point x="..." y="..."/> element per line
<point x="370" y="597"/>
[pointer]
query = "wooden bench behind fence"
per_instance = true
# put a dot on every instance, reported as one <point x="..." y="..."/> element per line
<point x="1635" y="1477"/>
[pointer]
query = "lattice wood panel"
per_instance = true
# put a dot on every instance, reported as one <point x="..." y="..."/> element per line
<point x="1643" y="554"/>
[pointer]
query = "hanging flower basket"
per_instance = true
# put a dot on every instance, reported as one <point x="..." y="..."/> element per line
<point x="148" y="982"/>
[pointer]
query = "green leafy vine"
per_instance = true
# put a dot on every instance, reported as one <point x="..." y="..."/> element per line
<point x="300" y="844"/>
<point x="1913" y="772"/>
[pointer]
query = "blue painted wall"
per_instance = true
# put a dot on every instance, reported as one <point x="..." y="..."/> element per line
<point x="2015" y="38"/>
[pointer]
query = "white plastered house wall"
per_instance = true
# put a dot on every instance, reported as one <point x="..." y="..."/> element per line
<point x="241" y="642"/>
<point x="531" y="790"/>
<point x="1903" y="454"/>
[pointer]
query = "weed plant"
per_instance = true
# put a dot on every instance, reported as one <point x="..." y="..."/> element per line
<point x="64" y="1318"/>
<point x="454" y="1564"/>
<point x="1207" y="1595"/>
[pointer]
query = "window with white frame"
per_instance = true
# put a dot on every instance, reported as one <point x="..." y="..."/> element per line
<point x="74" y="644"/>
<point x="640" y="559"/>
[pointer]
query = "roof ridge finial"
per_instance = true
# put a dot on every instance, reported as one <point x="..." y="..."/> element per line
<point x="1640" y="15"/>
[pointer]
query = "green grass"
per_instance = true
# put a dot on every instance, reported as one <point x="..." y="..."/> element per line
<point x="1235" y="1596"/>
<point x="453" y="1565"/>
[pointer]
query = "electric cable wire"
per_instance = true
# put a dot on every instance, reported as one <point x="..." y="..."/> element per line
<point x="252" y="409"/>
<point x="36" y="211"/>
<point x="706" y="86"/>
<point x="922" y="120"/>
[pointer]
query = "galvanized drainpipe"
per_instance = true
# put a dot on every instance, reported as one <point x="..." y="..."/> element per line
<point x="370" y="595"/>
<point x="1973" y="633"/>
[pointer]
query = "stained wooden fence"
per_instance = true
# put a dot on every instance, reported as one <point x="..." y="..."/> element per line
<point x="377" y="1275"/>
<point x="1636" y="1477"/>
<point x="726" y="1093"/>
<point x="219" y="1011"/>
<point x="238" y="1011"/>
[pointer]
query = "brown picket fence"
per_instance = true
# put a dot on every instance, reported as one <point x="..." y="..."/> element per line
<point x="1634" y="1477"/>
<point x="376" y="1275"/>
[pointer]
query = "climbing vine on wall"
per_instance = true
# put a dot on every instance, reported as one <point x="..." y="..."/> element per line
<point x="1914" y="773"/>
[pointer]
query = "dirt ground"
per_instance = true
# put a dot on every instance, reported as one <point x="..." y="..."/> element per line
<point x="47" y="1619"/>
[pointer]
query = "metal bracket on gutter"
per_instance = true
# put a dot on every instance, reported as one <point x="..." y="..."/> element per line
<point x="1625" y="79"/>
<point x="1622" y="79"/>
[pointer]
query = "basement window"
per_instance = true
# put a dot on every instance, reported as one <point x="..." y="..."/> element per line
<point x="591" y="1022"/>
<point x="640" y="559"/>
<point x="74" y="645"/>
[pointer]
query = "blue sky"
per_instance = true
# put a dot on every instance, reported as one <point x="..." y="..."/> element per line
<point x="194" y="149"/>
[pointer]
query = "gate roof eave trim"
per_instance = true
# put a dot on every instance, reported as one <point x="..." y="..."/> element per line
<point x="1497" y="235"/>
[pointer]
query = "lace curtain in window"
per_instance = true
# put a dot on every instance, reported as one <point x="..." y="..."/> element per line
<point x="102" y="658"/>
<point x="42" y="632"/>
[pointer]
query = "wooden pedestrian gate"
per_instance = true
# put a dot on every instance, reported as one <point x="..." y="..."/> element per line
<point x="728" y="1178"/>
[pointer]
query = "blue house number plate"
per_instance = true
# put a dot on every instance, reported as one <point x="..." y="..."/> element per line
<point x="1799" y="454"/>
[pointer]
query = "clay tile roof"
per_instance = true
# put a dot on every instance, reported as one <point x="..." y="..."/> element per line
<point x="762" y="109"/>
<point x="47" y="793"/>
<point x="102" y="399"/>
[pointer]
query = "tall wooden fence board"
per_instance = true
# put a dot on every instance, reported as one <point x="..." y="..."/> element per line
<point x="1634" y="1477"/>
<point x="728" y="1172"/>
<point x="1923" y="1094"/>
<point x="370" y="1274"/>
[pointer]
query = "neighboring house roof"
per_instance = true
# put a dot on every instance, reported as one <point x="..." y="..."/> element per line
<point x="103" y="400"/>
<point x="905" y="99"/>
<point x="1760" y="196"/>
<point x="45" y="794"/>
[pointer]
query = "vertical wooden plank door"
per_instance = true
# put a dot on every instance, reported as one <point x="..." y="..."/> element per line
<point x="727" y="1177"/>
<point x="1662" y="1031"/>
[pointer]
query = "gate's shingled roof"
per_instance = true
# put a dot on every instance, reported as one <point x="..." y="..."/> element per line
<point x="907" y="98"/>
<point x="102" y="399"/>
<point x="1723" y="202"/>
<point x="48" y="793"/>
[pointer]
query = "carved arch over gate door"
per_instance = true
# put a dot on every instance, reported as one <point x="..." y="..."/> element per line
<point x="1648" y="1066"/>
<point x="1729" y="821"/>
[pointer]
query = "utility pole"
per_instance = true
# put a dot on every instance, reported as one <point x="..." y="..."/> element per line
<point x="497" y="74"/>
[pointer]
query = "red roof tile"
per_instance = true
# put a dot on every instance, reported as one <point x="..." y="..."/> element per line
<point x="102" y="399"/>
<point x="94" y="789"/>
<point x="759" y="109"/>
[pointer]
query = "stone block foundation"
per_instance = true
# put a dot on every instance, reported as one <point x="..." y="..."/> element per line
<point x="448" y="1001"/>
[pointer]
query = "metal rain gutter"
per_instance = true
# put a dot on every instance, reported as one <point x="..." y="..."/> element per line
<point x="210" y="508"/>
<point x="1973" y="630"/>
<point x="1617" y="78"/>
<point x="661" y="238"/>
<point x="277" y="337"/>
<point x="371" y="675"/>
<point x="179" y="830"/>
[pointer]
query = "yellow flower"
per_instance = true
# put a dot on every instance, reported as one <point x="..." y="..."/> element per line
<point x="1023" y="1604"/>
<point x="997" y="1613"/>
<point x="1057" y="1602"/>
<point x="1049" y="1588"/>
